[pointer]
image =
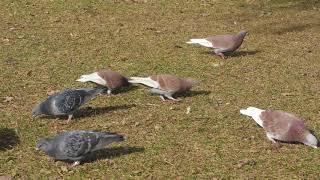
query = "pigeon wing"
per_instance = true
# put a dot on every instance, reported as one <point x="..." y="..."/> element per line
<point x="77" y="144"/>
<point x="113" y="79"/>
<point x="277" y="123"/>
<point x="168" y="82"/>
<point x="69" y="100"/>
<point x="223" y="42"/>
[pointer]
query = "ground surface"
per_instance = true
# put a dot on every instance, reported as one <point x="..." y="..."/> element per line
<point x="46" y="45"/>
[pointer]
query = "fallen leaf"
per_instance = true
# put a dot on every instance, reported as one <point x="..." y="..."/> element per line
<point x="7" y="99"/>
<point x="157" y="127"/>
<point x="29" y="73"/>
<point x="188" y="110"/>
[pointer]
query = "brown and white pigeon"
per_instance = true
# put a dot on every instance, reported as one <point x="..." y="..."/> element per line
<point x="221" y="43"/>
<point x="108" y="78"/>
<point x="281" y="126"/>
<point x="165" y="85"/>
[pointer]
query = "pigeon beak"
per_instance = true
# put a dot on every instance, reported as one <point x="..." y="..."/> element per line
<point x="37" y="149"/>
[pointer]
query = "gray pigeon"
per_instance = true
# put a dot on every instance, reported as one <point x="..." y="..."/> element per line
<point x="66" y="102"/>
<point x="76" y="145"/>
<point x="222" y="43"/>
<point x="281" y="126"/>
<point x="165" y="85"/>
<point x="110" y="79"/>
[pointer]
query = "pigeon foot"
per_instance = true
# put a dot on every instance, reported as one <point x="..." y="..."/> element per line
<point x="69" y="118"/>
<point x="76" y="163"/>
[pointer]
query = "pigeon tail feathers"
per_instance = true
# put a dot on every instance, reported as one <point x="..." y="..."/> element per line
<point x="202" y="42"/>
<point x="311" y="140"/>
<point x="107" y="138"/>
<point x="146" y="81"/>
<point x="254" y="113"/>
<point x="93" y="77"/>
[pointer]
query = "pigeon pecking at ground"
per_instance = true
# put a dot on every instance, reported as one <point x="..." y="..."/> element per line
<point x="222" y="43"/>
<point x="66" y="102"/>
<point x="165" y="85"/>
<point x="281" y="126"/>
<point x="76" y="145"/>
<point x="108" y="78"/>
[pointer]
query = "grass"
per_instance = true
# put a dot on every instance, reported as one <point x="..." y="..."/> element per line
<point x="46" y="45"/>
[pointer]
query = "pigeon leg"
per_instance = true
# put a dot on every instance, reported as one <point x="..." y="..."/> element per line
<point x="69" y="118"/>
<point x="270" y="137"/>
<point x="221" y="55"/>
<point x="76" y="163"/>
<point x="173" y="99"/>
<point x="109" y="92"/>
<point x="162" y="98"/>
<point x="169" y="96"/>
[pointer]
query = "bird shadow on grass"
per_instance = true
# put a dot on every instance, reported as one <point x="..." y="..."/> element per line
<point x="194" y="93"/>
<point x="8" y="139"/>
<point x="124" y="89"/>
<point x="280" y="143"/>
<point x="90" y="111"/>
<point x="110" y="153"/>
<point x="243" y="53"/>
<point x="235" y="54"/>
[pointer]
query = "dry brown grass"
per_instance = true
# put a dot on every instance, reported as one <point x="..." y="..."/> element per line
<point x="46" y="45"/>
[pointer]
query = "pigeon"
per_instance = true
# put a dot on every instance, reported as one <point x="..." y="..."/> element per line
<point x="76" y="145"/>
<point x="281" y="126"/>
<point x="165" y="85"/>
<point x="221" y="43"/>
<point x="110" y="79"/>
<point x="66" y="102"/>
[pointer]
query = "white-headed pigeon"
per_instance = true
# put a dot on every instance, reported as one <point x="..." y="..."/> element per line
<point x="76" y="145"/>
<point x="108" y="78"/>
<point x="281" y="126"/>
<point x="165" y="85"/>
<point x="221" y="43"/>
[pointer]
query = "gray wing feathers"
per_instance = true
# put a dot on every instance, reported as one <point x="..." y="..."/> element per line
<point x="77" y="144"/>
<point x="70" y="100"/>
